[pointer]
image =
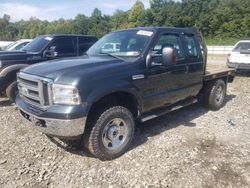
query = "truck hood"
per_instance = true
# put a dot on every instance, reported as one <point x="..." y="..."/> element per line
<point x="66" y="70"/>
<point x="7" y="56"/>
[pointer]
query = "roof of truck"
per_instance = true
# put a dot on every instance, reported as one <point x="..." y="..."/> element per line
<point x="176" y="29"/>
<point x="64" y="35"/>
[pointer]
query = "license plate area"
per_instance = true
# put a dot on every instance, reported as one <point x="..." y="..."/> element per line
<point x="34" y="121"/>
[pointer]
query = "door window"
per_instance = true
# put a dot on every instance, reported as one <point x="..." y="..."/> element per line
<point x="169" y="40"/>
<point x="64" y="46"/>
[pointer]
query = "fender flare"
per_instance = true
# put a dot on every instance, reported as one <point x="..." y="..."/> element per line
<point x="103" y="90"/>
<point x="5" y="71"/>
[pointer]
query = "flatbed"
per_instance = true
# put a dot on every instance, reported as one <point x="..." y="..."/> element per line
<point x="219" y="73"/>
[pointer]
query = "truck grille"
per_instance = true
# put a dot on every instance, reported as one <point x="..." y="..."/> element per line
<point x="34" y="89"/>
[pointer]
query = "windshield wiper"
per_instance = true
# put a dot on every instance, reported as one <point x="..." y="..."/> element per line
<point x="115" y="56"/>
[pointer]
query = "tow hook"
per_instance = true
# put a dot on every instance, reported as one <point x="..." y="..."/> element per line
<point x="40" y="123"/>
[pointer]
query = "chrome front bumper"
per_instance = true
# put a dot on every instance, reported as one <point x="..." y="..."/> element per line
<point x="55" y="127"/>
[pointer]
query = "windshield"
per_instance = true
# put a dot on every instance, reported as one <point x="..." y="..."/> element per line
<point x="242" y="46"/>
<point x="37" y="44"/>
<point x="129" y="43"/>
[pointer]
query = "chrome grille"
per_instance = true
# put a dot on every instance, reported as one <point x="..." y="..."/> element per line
<point x="34" y="89"/>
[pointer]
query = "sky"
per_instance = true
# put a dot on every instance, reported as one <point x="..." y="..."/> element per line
<point x="54" y="9"/>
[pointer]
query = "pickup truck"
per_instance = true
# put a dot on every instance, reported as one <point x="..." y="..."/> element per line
<point x="101" y="95"/>
<point x="42" y="48"/>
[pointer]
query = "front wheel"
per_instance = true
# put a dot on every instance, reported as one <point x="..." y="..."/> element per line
<point x="215" y="94"/>
<point x="11" y="91"/>
<point x="110" y="134"/>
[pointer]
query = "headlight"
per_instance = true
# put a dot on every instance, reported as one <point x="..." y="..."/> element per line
<point x="65" y="94"/>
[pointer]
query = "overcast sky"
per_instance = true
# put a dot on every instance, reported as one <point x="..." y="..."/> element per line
<point x="54" y="9"/>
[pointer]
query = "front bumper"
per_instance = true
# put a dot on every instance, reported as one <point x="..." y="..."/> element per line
<point x="239" y="66"/>
<point x="55" y="125"/>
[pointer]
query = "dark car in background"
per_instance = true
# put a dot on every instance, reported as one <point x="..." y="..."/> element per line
<point x="42" y="48"/>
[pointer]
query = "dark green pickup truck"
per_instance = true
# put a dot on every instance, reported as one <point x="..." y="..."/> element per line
<point x="98" y="97"/>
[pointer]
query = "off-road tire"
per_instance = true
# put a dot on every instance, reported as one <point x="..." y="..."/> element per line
<point x="210" y="98"/>
<point x="93" y="140"/>
<point x="11" y="91"/>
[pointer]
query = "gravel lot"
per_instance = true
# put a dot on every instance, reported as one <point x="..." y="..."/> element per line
<point x="192" y="147"/>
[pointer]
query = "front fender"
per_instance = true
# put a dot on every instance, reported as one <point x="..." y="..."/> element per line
<point x="105" y="88"/>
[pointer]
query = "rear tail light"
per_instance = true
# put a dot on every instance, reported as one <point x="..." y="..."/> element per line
<point x="228" y="57"/>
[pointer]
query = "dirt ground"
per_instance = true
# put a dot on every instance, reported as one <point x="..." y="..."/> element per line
<point x="192" y="147"/>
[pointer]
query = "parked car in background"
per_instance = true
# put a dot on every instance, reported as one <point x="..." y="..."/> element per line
<point x="42" y="48"/>
<point x="239" y="57"/>
<point x="18" y="45"/>
<point x="111" y="47"/>
<point x="3" y="44"/>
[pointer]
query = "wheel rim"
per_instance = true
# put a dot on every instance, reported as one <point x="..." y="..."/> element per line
<point x="115" y="134"/>
<point x="219" y="95"/>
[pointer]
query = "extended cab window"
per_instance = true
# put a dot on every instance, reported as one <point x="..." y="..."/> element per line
<point x="64" y="46"/>
<point x="169" y="40"/>
<point x="191" y="47"/>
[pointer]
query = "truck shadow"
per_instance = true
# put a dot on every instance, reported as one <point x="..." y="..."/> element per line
<point x="5" y="102"/>
<point x="182" y="117"/>
<point x="151" y="128"/>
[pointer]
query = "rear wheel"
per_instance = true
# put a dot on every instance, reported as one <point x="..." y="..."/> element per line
<point x="110" y="133"/>
<point x="215" y="93"/>
<point x="11" y="91"/>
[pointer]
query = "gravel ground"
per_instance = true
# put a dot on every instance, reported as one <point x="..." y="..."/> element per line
<point x="192" y="147"/>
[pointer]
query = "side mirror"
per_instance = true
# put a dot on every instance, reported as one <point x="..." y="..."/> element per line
<point x="51" y="52"/>
<point x="168" y="56"/>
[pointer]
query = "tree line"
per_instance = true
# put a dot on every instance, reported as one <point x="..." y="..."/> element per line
<point x="221" y="21"/>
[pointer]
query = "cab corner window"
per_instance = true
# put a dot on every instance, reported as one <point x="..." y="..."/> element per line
<point x="191" y="47"/>
<point x="85" y="43"/>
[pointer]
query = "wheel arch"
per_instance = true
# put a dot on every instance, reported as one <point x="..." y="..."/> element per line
<point x="12" y="69"/>
<point x="123" y="98"/>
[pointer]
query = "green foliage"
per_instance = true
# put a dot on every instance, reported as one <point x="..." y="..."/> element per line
<point x="119" y="20"/>
<point x="221" y="21"/>
<point x="136" y="15"/>
<point x="217" y="40"/>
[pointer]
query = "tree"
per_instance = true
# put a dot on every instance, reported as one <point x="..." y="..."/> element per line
<point x="215" y="18"/>
<point x="99" y="25"/>
<point x="81" y="24"/>
<point x="136" y="15"/>
<point x="119" y="20"/>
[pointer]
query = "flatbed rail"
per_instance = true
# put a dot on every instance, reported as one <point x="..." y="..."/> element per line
<point x="219" y="73"/>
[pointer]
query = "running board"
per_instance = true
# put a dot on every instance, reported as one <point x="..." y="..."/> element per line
<point x="163" y="111"/>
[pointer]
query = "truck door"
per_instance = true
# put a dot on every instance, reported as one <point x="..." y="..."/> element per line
<point x="194" y="64"/>
<point x="165" y="85"/>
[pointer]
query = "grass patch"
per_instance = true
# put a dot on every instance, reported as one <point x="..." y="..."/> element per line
<point x="221" y="41"/>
